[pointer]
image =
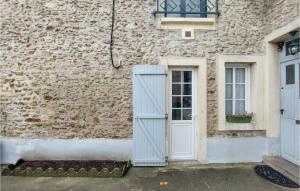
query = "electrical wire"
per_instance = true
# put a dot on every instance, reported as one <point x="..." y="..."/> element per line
<point x="112" y="35"/>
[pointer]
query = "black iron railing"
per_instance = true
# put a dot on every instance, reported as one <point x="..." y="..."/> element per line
<point x="187" y="8"/>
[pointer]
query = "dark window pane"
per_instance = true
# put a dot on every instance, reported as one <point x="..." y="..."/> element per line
<point x="240" y="91"/>
<point x="187" y="114"/>
<point x="239" y="107"/>
<point x="290" y="74"/>
<point x="176" y="76"/>
<point x="229" y="75"/>
<point x="229" y="91"/>
<point x="187" y="101"/>
<point x="187" y="89"/>
<point x="176" y="89"/>
<point x="187" y="76"/>
<point x="176" y="114"/>
<point x="176" y="102"/>
<point x="240" y="75"/>
<point x="228" y="106"/>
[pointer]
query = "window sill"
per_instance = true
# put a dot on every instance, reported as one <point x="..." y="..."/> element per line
<point x="186" y="23"/>
<point x="241" y="127"/>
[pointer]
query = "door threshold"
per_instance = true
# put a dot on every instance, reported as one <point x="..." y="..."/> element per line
<point x="290" y="170"/>
<point x="183" y="163"/>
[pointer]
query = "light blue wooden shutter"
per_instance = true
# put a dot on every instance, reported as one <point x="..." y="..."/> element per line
<point x="149" y="116"/>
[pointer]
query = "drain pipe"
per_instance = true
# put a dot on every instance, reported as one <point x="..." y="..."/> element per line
<point x="112" y="36"/>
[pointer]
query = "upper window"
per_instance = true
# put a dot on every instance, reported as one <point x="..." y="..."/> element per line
<point x="236" y="90"/>
<point x="186" y="8"/>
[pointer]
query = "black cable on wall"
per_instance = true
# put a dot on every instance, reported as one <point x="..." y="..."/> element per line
<point x="112" y="35"/>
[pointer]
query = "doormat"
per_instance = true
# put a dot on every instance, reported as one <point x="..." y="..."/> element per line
<point x="67" y="168"/>
<point x="275" y="177"/>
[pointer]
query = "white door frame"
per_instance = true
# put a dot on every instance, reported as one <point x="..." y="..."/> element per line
<point x="194" y="111"/>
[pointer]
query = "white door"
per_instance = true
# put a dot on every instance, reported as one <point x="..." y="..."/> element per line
<point x="182" y="114"/>
<point x="290" y="108"/>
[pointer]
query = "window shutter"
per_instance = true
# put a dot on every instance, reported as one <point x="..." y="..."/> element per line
<point x="149" y="115"/>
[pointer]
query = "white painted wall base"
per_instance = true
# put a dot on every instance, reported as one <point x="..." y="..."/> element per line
<point x="237" y="150"/>
<point x="218" y="150"/>
<point x="13" y="149"/>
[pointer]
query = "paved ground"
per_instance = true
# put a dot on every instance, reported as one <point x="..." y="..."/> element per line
<point x="200" y="178"/>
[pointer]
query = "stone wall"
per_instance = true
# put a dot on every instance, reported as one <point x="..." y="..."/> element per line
<point x="280" y="13"/>
<point x="56" y="78"/>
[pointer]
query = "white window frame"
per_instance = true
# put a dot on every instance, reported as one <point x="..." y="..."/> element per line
<point x="235" y="66"/>
<point x="181" y="94"/>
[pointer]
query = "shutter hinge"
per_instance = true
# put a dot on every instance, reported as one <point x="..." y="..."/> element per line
<point x="166" y="116"/>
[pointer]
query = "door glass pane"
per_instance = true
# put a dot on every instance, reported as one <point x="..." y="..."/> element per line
<point x="187" y="114"/>
<point x="239" y="107"/>
<point x="176" y="89"/>
<point x="229" y="75"/>
<point x="176" y="76"/>
<point x="176" y="114"/>
<point x="240" y="91"/>
<point x="187" y="89"/>
<point x="229" y="90"/>
<point x="187" y="101"/>
<point x="290" y="74"/>
<point x="176" y="101"/>
<point x="240" y="75"/>
<point x="187" y="76"/>
<point x="228" y="107"/>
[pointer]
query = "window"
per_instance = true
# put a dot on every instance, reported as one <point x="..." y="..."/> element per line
<point x="181" y="95"/>
<point x="187" y="8"/>
<point x="236" y="90"/>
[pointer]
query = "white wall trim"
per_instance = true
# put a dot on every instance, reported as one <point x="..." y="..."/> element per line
<point x="186" y="23"/>
<point x="237" y="150"/>
<point x="13" y="149"/>
<point x="253" y="149"/>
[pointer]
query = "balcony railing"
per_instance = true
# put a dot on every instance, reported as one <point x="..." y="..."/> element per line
<point x="187" y="8"/>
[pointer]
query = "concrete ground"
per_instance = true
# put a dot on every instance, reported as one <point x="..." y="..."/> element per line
<point x="186" y="178"/>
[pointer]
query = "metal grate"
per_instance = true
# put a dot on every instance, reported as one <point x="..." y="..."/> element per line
<point x="187" y="8"/>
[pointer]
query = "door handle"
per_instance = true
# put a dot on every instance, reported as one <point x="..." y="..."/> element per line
<point x="281" y="111"/>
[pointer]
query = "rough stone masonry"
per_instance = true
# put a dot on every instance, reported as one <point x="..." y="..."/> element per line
<point x="55" y="74"/>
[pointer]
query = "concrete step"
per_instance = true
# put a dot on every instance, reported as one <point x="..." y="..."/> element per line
<point x="288" y="169"/>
